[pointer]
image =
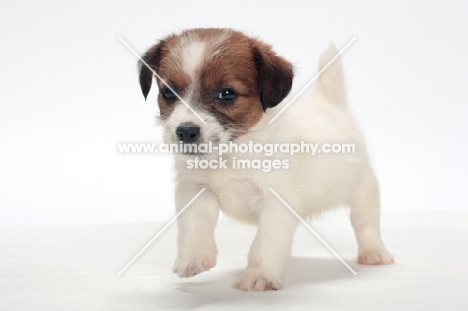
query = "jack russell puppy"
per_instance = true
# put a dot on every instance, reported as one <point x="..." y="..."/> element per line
<point x="236" y="85"/>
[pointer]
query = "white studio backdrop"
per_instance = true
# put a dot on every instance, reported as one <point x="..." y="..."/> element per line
<point x="69" y="94"/>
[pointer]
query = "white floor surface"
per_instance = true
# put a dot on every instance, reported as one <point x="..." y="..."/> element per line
<point x="75" y="268"/>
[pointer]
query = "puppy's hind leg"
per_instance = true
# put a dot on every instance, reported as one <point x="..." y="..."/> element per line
<point x="365" y="219"/>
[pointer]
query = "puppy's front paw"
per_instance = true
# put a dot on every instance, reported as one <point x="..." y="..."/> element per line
<point x="382" y="257"/>
<point x="252" y="280"/>
<point x="187" y="266"/>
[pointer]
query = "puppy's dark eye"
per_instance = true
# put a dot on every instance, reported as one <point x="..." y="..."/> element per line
<point x="227" y="94"/>
<point x="167" y="93"/>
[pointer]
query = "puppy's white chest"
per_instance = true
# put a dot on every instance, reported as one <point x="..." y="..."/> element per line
<point x="240" y="197"/>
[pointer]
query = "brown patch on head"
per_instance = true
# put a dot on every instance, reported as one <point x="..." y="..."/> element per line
<point x="260" y="78"/>
<point x="230" y="65"/>
<point x="163" y="60"/>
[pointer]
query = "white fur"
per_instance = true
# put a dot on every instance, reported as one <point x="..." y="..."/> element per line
<point x="310" y="186"/>
<point x="211" y="129"/>
<point x="192" y="57"/>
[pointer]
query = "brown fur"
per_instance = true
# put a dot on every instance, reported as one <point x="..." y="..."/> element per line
<point x="260" y="78"/>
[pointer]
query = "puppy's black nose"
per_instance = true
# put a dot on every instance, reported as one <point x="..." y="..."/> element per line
<point x="188" y="132"/>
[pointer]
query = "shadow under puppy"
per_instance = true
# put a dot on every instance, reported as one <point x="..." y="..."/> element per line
<point x="235" y="84"/>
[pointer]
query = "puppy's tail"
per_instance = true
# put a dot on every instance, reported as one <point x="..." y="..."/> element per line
<point x="331" y="83"/>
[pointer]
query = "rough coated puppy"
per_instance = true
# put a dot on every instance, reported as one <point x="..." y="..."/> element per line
<point x="236" y="84"/>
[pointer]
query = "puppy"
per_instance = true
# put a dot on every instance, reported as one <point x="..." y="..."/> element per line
<point x="236" y="85"/>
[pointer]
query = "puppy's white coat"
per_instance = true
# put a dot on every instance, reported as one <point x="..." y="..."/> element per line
<point x="311" y="185"/>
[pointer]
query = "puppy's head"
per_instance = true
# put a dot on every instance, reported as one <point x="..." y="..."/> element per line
<point x="227" y="78"/>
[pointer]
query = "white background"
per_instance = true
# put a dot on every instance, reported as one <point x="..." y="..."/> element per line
<point x="69" y="94"/>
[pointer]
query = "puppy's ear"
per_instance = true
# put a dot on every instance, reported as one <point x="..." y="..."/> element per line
<point x="152" y="57"/>
<point x="275" y="75"/>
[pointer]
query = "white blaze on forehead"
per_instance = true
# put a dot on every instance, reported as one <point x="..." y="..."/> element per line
<point x="192" y="57"/>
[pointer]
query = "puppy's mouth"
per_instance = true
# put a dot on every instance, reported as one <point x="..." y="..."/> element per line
<point x="193" y="149"/>
<point x="205" y="149"/>
<point x="194" y="154"/>
<point x="193" y="141"/>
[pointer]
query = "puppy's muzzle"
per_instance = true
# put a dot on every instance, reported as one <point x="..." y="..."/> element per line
<point x="188" y="132"/>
